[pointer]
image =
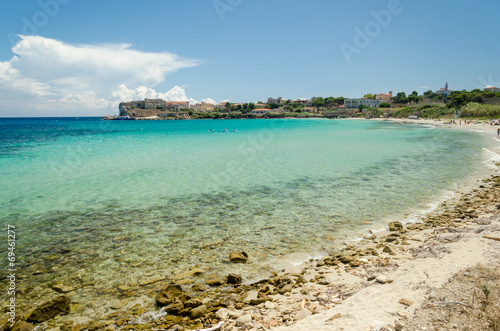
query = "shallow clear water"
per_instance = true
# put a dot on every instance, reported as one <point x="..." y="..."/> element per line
<point x="119" y="201"/>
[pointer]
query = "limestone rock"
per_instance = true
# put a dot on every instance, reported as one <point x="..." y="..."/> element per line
<point x="190" y="273"/>
<point x="303" y="313"/>
<point x="198" y="312"/>
<point x="395" y="226"/>
<point x="238" y="257"/>
<point x="23" y="326"/>
<point x="192" y="303"/>
<point x="169" y="294"/>
<point x="344" y="258"/>
<point x="198" y="287"/>
<point x="406" y="302"/>
<point x="389" y="250"/>
<point x="50" y="309"/>
<point x="383" y="279"/>
<point x="234" y="279"/>
<point x="242" y="320"/>
<point x="222" y="314"/>
<point x="63" y="288"/>
<point x="214" y="282"/>
<point x="174" y="308"/>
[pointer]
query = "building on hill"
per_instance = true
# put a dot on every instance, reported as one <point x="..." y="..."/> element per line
<point x="220" y="106"/>
<point x="153" y="103"/>
<point x="278" y="101"/>
<point x="384" y="97"/>
<point x="492" y="89"/>
<point x="204" y="106"/>
<point x="355" y="103"/>
<point x="177" y="105"/>
<point x="444" y="90"/>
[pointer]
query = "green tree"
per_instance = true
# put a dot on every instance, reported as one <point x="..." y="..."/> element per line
<point x="385" y="105"/>
<point x="318" y="102"/>
<point x="329" y="102"/>
<point x="339" y="101"/>
<point x="369" y="96"/>
<point x="414" y="97"/>
<point x="400" y="98"/>
<point x="273" y="105"/>
<point x="430" y="94"/>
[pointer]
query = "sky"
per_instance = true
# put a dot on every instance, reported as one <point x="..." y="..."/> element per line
<point x="83" y="57"/>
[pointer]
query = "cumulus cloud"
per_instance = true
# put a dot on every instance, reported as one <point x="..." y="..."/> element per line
<point x="209" y="100"/>
<point x="45" y="72"/>
<point x="123" y="93"/>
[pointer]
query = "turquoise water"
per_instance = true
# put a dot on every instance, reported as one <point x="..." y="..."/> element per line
<point x="119" y="201"/>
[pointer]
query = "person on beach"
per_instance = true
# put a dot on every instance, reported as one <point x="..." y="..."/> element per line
<point x="498" y="132"/>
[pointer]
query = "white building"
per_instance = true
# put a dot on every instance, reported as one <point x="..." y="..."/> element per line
<point x="492" y="89"/>
<point x="355" y="103"/>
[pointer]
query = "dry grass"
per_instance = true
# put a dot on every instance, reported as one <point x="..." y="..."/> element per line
<point x="470" y="301"/>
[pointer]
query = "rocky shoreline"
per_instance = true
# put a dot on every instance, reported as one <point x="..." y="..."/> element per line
<point x="194" y="300"/>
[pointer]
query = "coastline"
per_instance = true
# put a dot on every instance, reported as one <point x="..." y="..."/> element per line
<point x="346" y="282"/>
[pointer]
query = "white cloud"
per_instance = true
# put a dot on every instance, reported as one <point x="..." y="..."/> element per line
<point x="49" y="74"/>
<point x="123" y="93"/>
<point x="209" y="100"/>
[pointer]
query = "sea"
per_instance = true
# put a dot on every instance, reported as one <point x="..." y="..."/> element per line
<point x="99" y="205"/>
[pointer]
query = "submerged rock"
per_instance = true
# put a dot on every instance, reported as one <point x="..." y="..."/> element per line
<point x="169" y="294"/>
<point x="50" y="309"/>
<point x="238" y="257"/>
<point x="23" y="326"/>
<point x="214" y="282"/>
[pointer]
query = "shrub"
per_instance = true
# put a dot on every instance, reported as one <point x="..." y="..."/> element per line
<point x="385" y="105"/>
<point x="473" y="109"/>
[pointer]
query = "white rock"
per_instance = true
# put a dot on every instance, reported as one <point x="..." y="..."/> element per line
<point x="303" y="313"/>
<point x="269" y="305"/>
<point x="242" y="320"/>
<point x="234" y="314"/>
<point x="383" y="279"/>
<point x="222" y="313"/>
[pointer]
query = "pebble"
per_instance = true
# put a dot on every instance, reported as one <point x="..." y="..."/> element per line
<point x="383" y="279"/>
<point x="243" y="320"/>
<point x="303" y="313"/>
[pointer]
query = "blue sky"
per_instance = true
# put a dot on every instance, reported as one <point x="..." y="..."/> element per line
<point x="79" y="57"/>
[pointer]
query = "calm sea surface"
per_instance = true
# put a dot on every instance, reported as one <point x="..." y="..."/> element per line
<point x="114" y="202"/>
